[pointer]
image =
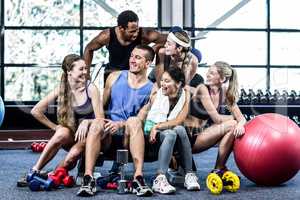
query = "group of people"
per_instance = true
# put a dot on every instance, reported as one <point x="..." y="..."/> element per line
<point x="178" y="112"/>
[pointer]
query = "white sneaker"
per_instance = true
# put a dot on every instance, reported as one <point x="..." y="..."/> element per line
<point x="161" y="185"/>
<point x="191" y="182"/>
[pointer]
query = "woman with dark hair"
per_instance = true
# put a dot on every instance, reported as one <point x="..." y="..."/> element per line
<point x="166" y="111"/>
<point x="78" y="105"/>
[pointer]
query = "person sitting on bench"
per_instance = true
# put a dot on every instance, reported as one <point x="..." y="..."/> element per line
<point x="166" y="112"/>
<point x="125" y="93"/>
<point x="78" y="105"/>
<point x="208" y="105"/>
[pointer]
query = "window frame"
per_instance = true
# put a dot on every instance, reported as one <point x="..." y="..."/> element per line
<point x="81" y="29"/>
<point x="268" y="30"/>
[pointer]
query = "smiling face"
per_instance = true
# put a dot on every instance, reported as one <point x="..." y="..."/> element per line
<point x="213" y="77"/>
<point x="137" y="61"/>
<point x="79" y="71"/>
<point x="130" y="32"/>
<point x="171" y="48"/>
<point x="168" y="85"/>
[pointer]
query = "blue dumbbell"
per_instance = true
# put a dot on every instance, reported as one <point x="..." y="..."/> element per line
<point x="37" y="183"/>
<point x="103" y="180"/>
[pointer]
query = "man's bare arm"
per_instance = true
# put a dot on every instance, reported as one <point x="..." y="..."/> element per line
<point x="99" y="41"/>
<point x="150" y="35"/>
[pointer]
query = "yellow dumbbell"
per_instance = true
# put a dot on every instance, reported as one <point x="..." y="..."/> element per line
<point x="214" y="183"/>
<point x="231" y="181"/>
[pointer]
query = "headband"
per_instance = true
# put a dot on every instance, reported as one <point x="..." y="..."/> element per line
<point x="172" y="37"/>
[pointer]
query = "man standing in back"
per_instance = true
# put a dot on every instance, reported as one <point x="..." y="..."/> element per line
<point x="121" y="40"/>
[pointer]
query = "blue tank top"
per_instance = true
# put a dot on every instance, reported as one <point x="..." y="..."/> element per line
<point x="84" y="111"/>
<point x="125" y="101"/>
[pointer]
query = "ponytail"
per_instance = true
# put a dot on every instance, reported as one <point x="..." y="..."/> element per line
<point x="230" y="74"/>
<point x="232" y="91"/>
<point x="65" y="112"/>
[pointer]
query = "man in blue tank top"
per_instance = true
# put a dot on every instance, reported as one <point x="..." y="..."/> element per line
<point x="121" y="40"/>
<point x="125" y="93"/>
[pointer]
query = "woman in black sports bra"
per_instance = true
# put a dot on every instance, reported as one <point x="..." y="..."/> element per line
<point x="221" y="89"/>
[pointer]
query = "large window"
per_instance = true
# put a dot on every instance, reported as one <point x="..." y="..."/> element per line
<point x="285" y="14"/>
<point x="236" y="48"/>
<point x="230" y="13"/>
<point x="42" y="13"/>
<point x="261" y="38"/>
<point x="38" y="34"/>
<point x="285" y="48"/>
<point x="104" y="13"/>
<point x="285" y="79"/>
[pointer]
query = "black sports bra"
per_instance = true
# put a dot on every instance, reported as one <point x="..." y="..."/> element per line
<point x="197" y="109"/>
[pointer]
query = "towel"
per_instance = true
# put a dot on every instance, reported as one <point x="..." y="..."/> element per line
<point x="160" y="109"/>
<point x="161" y="105"/>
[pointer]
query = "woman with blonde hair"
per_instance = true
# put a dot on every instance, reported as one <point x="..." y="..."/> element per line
<point x="220" y="90"/>
<point x="79" y="104"/>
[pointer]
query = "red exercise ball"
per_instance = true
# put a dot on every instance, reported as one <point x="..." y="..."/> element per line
<point x="269" y="152"/>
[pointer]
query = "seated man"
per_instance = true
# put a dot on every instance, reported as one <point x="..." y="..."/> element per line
<point x="125" y="93"/>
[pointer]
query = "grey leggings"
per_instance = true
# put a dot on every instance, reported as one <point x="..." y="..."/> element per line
<point x="167" y="139"/>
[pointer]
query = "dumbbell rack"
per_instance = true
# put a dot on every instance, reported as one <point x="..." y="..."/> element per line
<point x="253" y="104"/>
<point x="292" y="111"/>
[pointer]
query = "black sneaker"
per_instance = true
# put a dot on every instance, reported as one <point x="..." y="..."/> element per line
<point x="88" y="187"/>
<point x="140" y="188"/>
<point x="22" y="182"/>
<point x="220" y="172"/>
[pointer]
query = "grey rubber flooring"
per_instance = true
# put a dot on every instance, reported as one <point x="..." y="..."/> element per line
<point x="14" y="163"/>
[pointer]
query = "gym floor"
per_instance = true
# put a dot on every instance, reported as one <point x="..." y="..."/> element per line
<point x="14" y="163"/>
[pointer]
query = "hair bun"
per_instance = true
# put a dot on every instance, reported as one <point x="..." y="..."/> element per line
<point x="175" y="29"/>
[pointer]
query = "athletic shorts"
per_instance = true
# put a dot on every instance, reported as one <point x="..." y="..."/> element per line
<point x="117" y="142"/>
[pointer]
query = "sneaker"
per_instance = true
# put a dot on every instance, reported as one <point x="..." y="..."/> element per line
<point x="88" y="187"/>
<point x="140" y="188"/>
<point x="220" y="172"/>
<point x="161" y="185"/>
<point x="191" y="182"/>
<point x="22" y="182"/>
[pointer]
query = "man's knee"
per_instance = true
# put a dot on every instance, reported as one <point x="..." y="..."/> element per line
<point x="133" y="124"/>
